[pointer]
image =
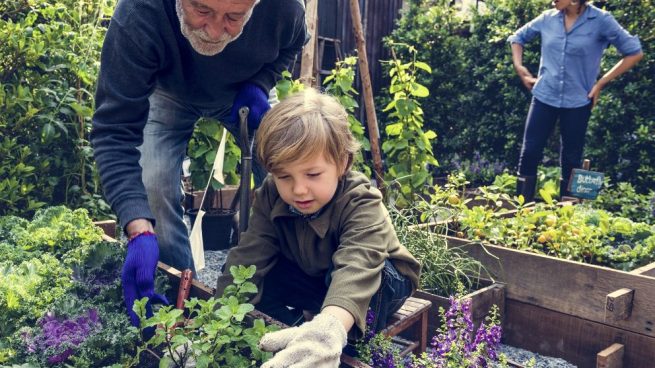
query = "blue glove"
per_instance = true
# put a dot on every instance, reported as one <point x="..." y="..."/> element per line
<point x="256" y="99"/>
<point x="138" y="275"/>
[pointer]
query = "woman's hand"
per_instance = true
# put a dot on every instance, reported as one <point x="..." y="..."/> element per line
<point x="594" y="94"/>
<point x="526" y="78"/>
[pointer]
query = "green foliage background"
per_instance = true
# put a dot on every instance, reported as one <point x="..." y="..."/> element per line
<point x="477" y="103"/>
<point x="49" y="59"/>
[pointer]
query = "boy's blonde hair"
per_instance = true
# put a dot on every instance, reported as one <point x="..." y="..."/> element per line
<point x="302" y="125"/>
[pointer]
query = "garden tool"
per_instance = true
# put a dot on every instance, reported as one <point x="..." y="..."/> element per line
<point x="197" y="247"/>
<point x="246" y="169"/>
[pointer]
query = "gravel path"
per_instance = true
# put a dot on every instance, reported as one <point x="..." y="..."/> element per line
<point x="522" y="357"/>
<point x="214" y="259"/>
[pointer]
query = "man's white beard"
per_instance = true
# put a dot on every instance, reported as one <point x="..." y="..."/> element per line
<point x="200" y="40"/>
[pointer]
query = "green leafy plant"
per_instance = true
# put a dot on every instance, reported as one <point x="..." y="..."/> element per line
<point x="623" y="200"/>
<point x="408" y="148"/>
<point x="213" y="335"/>
<point x="340" y="85"/>
<point x="571" y="232"/>
<point x="49" y="56"/>
<point x="202" y="152"/>
<point x="287" y="85"/>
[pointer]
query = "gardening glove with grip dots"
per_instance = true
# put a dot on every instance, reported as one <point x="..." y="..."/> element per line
<point x="256" y="99"/>
<point x="314" y="344"/>
<point x="138" y="275"/>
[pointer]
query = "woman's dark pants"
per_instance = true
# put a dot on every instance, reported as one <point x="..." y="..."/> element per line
<point x="538" y="127"/>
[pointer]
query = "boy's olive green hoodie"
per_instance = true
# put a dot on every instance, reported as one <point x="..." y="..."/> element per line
<point x="353" y="233"/>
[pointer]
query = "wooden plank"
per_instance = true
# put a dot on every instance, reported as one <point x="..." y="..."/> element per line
<point x="574" y="339"/>
<point x="612" y="357"/>
<point x="618" y="305"/>
<point x="565" y="286"/>
<point x="647" y="270"/>
<point x="108" y="227"/>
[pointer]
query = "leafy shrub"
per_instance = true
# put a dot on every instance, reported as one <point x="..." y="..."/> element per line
<point x="49" y="58"/>
<point x="477" y="103"/>
<point x="623" y="200"/>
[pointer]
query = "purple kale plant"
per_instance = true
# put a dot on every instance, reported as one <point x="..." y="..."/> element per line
<point x="56" y="338"/>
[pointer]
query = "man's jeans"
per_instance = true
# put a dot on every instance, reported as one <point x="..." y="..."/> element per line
<point x="286" y="285"/>
<point x="165" y="138"/>
<point x="540" y="123"/>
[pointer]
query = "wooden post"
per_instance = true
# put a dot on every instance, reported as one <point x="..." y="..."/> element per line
<point x="618" y="305"/>
<point x="612" y="357"/>
<point x="371" y="119"/>
<point x="309" y="51"/>
<point x="586" y="164"/>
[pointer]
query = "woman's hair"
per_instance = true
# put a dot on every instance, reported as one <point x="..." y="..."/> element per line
<point x="302" y="125"/>
<point x="581" y="4"/>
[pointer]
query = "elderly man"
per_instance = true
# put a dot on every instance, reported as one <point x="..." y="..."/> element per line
<point x="165" y="64"/>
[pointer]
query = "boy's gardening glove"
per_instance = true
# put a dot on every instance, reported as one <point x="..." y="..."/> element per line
<point x="314" y="344"/>
<point x="138" y="275"/>
<point x="256" y="99"/>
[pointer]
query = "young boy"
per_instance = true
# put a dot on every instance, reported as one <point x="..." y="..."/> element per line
<point x="319" y="235"/>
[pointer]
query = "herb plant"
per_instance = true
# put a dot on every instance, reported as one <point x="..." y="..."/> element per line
<point x="214" y="333"/>
<point x="454" y="345"/>
<point x="443" y="269"/>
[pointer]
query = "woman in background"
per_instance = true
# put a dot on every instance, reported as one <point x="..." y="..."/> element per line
<point x="574" y="36"/>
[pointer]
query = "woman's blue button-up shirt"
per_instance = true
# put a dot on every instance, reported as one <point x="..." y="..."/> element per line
<point x="570" y="61"/>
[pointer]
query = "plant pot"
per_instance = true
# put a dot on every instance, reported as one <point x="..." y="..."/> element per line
<point x="219" y="228"/>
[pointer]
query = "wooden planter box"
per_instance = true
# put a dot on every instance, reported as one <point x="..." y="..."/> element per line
<point x="193" y="199"/>
<point x="569" y="309"/>
<point x="482" y="301"/>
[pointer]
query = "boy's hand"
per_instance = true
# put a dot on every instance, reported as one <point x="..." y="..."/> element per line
<point x="314" y="344"/>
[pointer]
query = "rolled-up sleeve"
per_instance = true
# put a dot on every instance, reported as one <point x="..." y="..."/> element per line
<point x="616" y="35"/>
<point x="529" y="31"/>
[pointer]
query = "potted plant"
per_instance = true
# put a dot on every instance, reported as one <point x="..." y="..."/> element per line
<point x="216" y="199"/>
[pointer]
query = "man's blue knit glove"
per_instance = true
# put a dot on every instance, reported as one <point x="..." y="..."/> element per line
<point x="256" y="99"/>
<point x="138" y="275"/>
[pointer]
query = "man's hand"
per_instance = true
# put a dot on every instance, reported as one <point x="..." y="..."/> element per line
<point x="256" y="99"/>
<point x="138" y="275"/>
<point x="314" y="344"/>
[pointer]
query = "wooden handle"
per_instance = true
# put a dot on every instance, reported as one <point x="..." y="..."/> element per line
<point x="184" y="289"/>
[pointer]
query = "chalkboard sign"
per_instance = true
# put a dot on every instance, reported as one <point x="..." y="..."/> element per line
<point x="585" y="184"/>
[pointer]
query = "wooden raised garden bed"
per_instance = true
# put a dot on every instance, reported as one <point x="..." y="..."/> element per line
<point x="569" y="309"/>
